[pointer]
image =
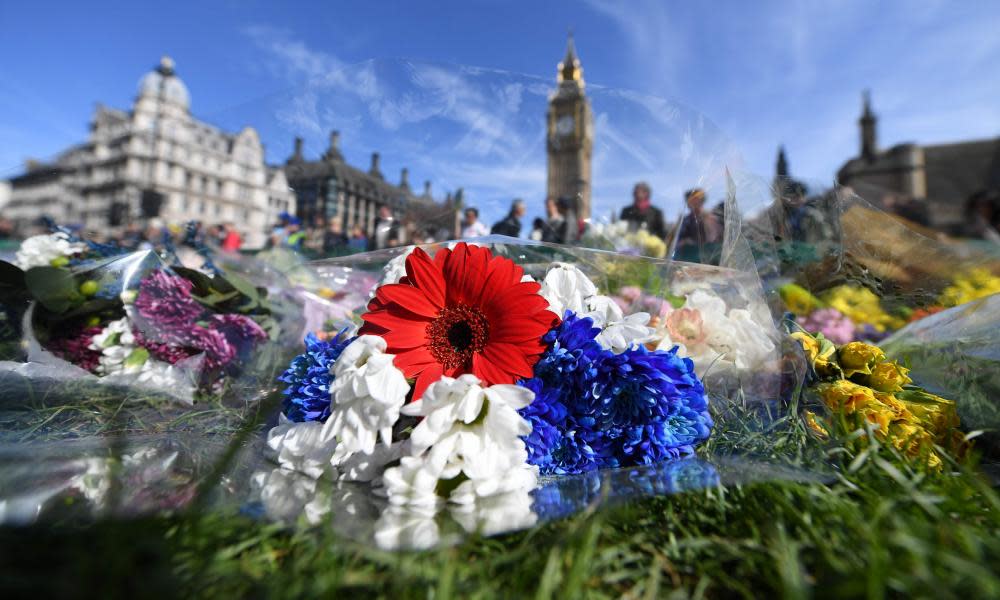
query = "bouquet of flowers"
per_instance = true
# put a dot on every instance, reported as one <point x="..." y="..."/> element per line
<point x="132" y="320"/>
<point x="617" y="236"/>
<point x="472" y="373"/>
<point x="859" y="388"/>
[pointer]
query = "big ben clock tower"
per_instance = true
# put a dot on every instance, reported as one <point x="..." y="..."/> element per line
<point x="570" y="135"/>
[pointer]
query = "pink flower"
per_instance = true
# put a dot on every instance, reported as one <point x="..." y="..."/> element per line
<point x="831" y="323"/>
<point x="77" y="349"/>
<point x="686" y="327"/>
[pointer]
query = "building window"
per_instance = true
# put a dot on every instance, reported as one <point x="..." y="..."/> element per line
<point x="201" y="207"/>
<point x="218" y="209"/>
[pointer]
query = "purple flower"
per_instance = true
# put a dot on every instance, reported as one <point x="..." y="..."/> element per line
<point x="76" y="349"/>
<point x="238" y="329"/>
<point x="169" y="353"/>
<point x="165" y="301"/>
<point x="218" y="351"/>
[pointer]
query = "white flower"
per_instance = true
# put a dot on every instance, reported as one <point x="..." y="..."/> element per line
<point x="567" y="288"/>
<point x="283" y="493"/>
<point x="394" y="270"/>
<point x="41" y="250"/>
<point x="733" y="341"/>
<point x="407" y="527"/>
<point x="116" y="345"/>
<point x="302" y="447"/>
<point x="496" y="514"/>
<point x="366" y="466"/>
<point x="459" y="405"/>
<point x="520" y="478"/>
<point x="469" y="435"/>
<point x="367" y="392"/>
<point x="412" y="483"/>
<point x="618" y="332"/>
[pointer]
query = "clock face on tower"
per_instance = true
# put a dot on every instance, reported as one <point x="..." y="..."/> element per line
<point x="564" y="126"/>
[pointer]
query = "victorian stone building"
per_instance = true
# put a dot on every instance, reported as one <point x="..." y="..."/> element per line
<point x="933" y="184"/>
<point x="570" y="135"/>
<point x="328" y="189"/>
<point x="155" y="161"/>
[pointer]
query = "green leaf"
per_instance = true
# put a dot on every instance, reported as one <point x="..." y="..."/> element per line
<point x="137" y="357"/>
<point x="54" y="288"/>
<point x="90" y="307"/>
<point x="202" y="283"/>
<point x="245" y="287"/>
<point x="11" y="276"/>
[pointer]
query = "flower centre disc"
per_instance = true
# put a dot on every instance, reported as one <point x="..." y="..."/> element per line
<point x="456" y="334"/>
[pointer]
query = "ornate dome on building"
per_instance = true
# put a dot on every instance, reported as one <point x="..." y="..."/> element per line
<point x="162" y="83"/>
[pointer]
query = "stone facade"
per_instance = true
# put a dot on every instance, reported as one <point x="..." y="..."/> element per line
<point x="328" y="188"/>
<point x="930" y="184"/>
<point x="156" y="162"/>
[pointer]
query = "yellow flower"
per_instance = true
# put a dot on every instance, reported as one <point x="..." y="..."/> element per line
<point x="862" y="306"/>
<point x="845" y="395"/>
<point x="914" y="441"/>
<point x="814" y="425"/>
<point x="887" y="376"/>
<point x="971" y="285"/>
<point x="820" y="352"/>
<point x="934" y="412"/>
<point x="859" y="357"/>
<point x="798" y="299"/>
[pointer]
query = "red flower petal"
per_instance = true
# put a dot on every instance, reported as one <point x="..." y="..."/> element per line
<point x="409" y="297"/>
<point x="508" y="357"/>
<point x="426" y="377"/>
<point x="421" y="271"/>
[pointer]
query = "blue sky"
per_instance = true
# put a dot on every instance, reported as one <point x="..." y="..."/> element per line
<point x="681" y="90"/>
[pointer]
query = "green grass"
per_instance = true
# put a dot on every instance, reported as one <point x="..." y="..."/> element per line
<point x="878" y="528"/>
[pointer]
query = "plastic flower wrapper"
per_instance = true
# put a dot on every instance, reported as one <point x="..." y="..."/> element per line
<point x="456" y="382"/>
<point x="859" y="395"/>
<point x="132" y="321"/>
<point x="955" y="353"/>
<point x="837" y="257"/>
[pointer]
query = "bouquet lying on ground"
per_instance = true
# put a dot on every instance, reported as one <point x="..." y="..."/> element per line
<point x="859" y="388"/>
<point x="468" y="378"/>
<point x="131" y="319"/>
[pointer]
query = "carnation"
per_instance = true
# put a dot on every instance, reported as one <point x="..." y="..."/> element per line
<point x="41" y="250"/>
<point x="165" y="302"/>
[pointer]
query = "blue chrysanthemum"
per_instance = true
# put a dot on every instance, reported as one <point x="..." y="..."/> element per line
<point x="307" y="397"/>
<point x="596" y="409"/>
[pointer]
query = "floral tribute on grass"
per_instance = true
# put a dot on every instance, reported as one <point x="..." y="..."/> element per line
<point x="468" y="379"/>
<point x="131" y="320"/>
<point x="860" y="388"/>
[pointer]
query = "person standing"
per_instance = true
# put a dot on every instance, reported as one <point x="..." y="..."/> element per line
<point x="386" y="230"/>
<point x="334" y="239"/>
<point x="700" y="231"/>
<point x="641" y="214"/>
<point x="472" y="226"/>
<point x="231" y="240"/>
<point x="511" y="224"/>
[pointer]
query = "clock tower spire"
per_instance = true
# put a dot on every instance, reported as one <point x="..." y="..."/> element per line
<point x="570" y="134"/>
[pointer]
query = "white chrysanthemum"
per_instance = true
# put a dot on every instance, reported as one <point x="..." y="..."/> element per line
<point x="567" y="288"/>
<point x="470" y="436"/>
<point x="367" y="392"/>
<point x="302" y="447"/>
<point x="283" y="493"/>
<point x="496" y="513"/>
<point x="407" y="527"/>
<point x="412" y="483"/>
<point x="41" y="250"/>
<point x="366" y="466"/>
<point x="618" y="332"/>
<point x="463" y="405"/>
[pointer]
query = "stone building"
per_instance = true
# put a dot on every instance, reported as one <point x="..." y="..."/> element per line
<point x="570" y="135"/>
<point x="930" y="184"/>
<point x="328" y="188"/>
<point x="155" y="161"/>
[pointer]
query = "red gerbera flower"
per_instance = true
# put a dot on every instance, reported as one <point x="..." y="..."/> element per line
<point x="464" y="311"/>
